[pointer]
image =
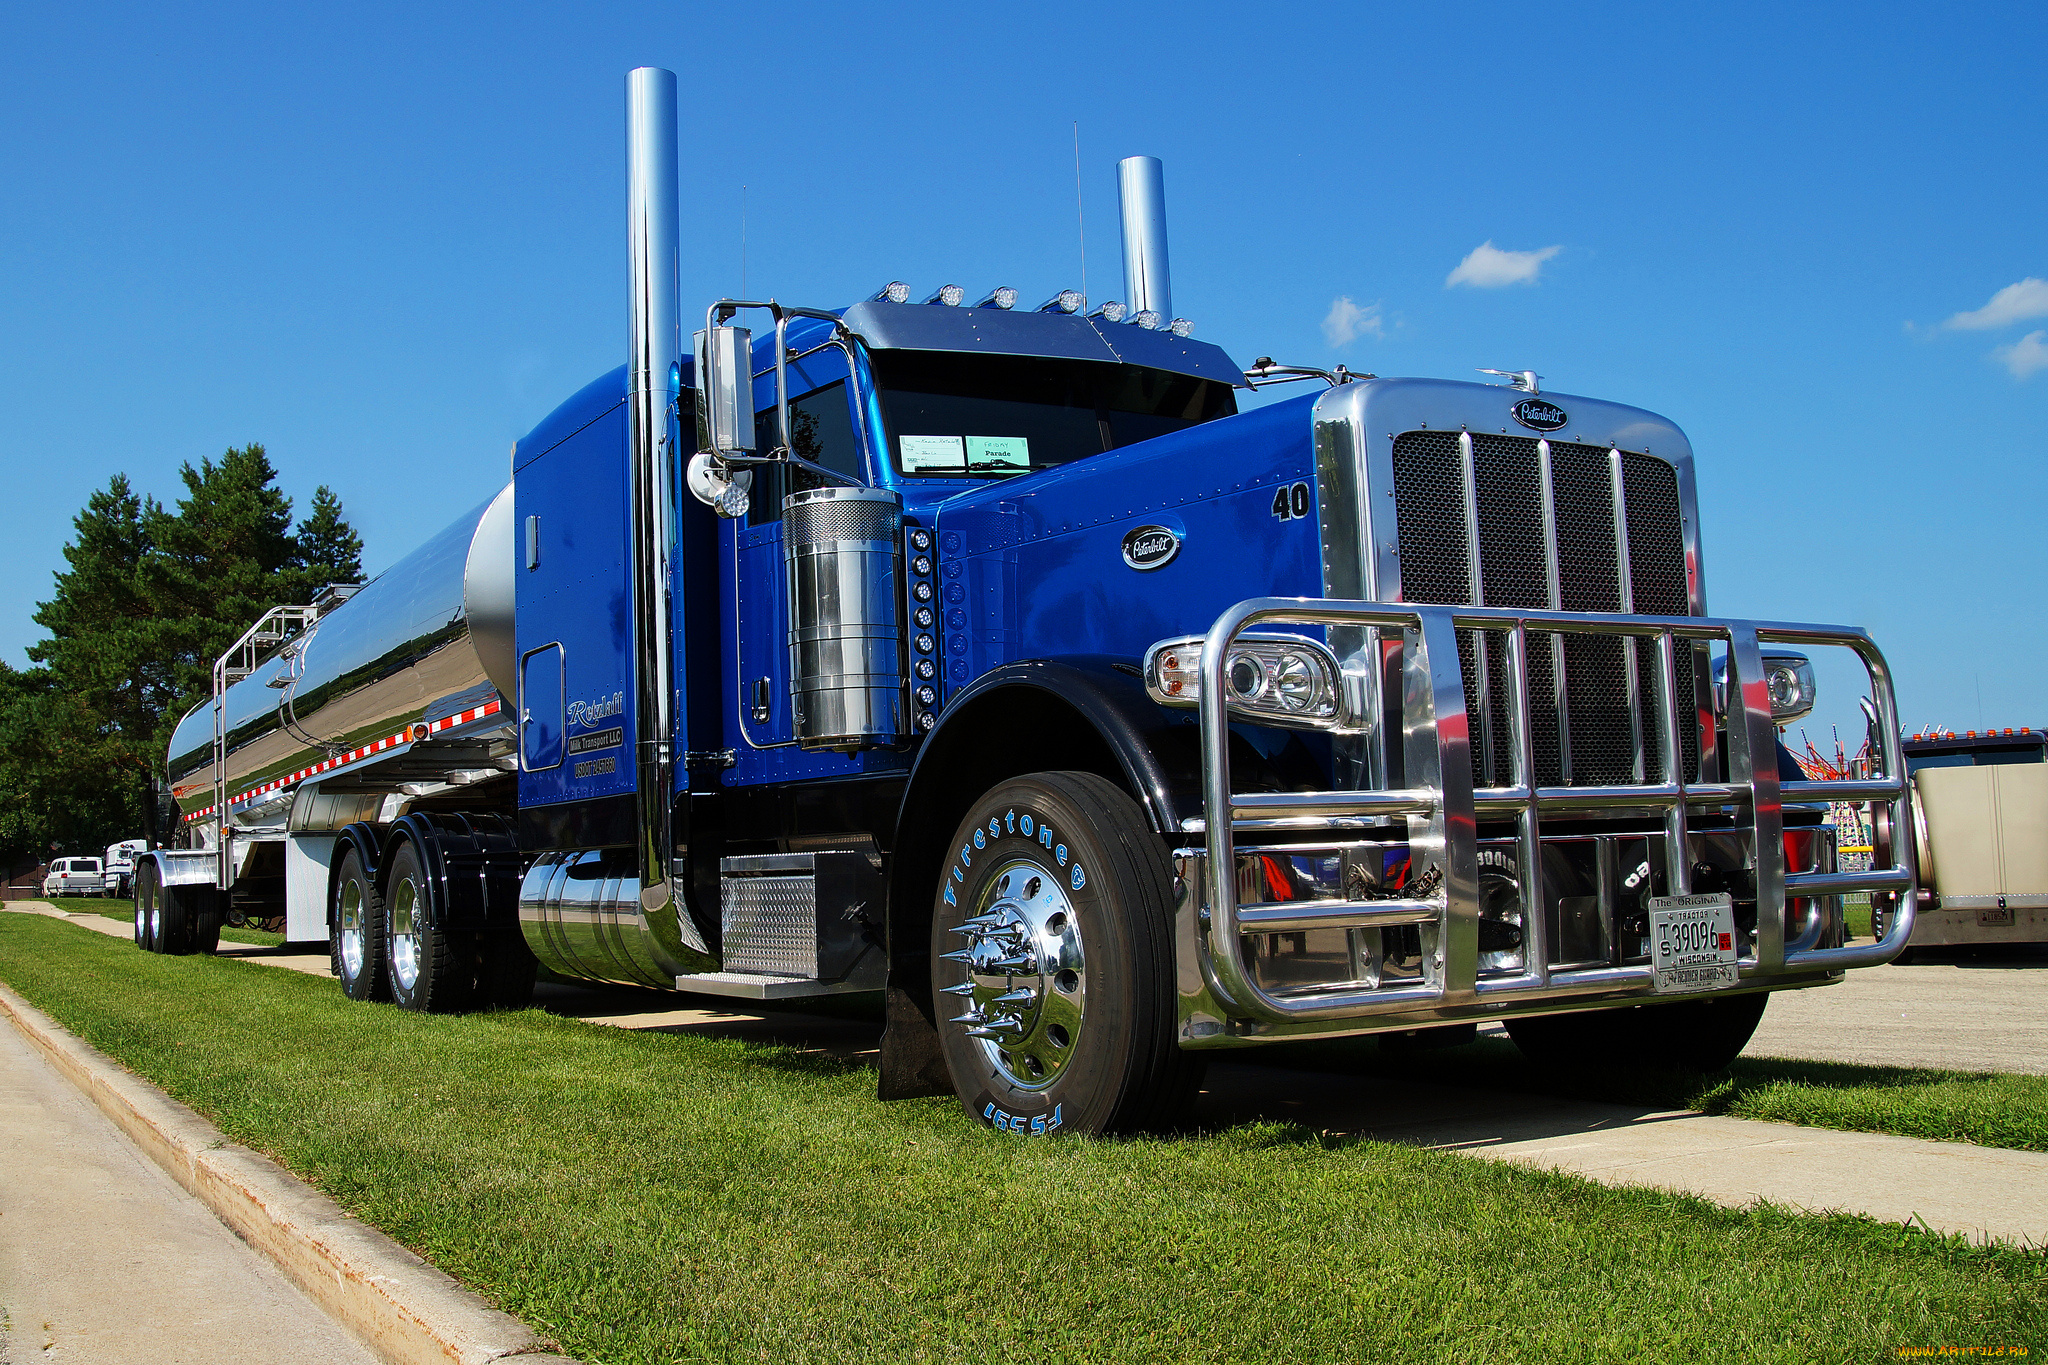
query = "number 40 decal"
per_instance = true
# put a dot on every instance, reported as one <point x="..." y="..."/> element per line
<point x="1290" y="501"/>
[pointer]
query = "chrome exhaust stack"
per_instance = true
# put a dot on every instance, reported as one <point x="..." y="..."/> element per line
<point x="652" y="210"/>
<point x="1141" y="193"/>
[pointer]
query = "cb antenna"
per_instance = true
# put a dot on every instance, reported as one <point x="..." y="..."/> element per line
<point x="1080" y="222"/>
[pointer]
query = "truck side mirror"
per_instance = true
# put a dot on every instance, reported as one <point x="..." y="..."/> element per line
<point x="725" y="385"/>
<point x="725" y="419"/>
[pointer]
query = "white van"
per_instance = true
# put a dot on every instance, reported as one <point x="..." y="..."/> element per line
<point x="75" y="877"/>
<point x="120" y="867"/>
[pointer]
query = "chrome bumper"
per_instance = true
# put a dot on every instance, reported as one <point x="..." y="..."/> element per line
<point x="1223" y="999"/>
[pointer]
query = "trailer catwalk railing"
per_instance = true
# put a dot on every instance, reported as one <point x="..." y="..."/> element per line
<point x="1443" y="809"/>
<point x="272" y="629"/>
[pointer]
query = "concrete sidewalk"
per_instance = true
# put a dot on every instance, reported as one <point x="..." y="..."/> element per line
<point x="1982" y="1192"/>
<point x="105" y="1259"/>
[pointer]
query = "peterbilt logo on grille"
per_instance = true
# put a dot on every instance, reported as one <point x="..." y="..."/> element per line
<point x="1150" y="547"/>
<point x="1538" y="415"/>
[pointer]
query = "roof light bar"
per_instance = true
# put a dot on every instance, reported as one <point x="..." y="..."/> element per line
<point x="947" y="294"/>
<point x="1002" y="296"/>
<point x="1066" y="301"/>
<point x="895" y="291"/>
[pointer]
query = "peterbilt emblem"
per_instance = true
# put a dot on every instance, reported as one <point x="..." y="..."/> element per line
<point x="1150" y="547"/>
<point x="1538" y="415"/>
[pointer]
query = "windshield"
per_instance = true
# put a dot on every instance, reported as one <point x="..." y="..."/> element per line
<point x="951" y="415"/>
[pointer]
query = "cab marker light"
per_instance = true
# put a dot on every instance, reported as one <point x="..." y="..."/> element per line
<point x="1002" y="296"/>
<point x="1066" y="301"/>
<point x="895" y="291"/>
<point x="947" y="294"/>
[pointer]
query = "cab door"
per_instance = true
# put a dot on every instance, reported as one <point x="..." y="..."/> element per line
<point x="820" y="430"/>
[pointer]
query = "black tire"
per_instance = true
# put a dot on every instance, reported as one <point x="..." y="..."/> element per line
<point x="1072" y="897"/>
<point x="145" y="905"/>
<point x="431" y="970"/>
<point x="206" y="919"/>
<point x="506" y="971"/>
<point x="1689" y="1035"/>
<point x="355" y="938"/>
<point x="173" y="919"/>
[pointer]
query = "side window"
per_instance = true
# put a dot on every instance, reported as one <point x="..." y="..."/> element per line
<point x="821" y="431"/>
<point x="542" y="709"/>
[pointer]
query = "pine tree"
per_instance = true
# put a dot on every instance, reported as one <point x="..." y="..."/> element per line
<point x="149" y="599"/>
<point x="222" y="559"/>
<point x="329" y="549"/>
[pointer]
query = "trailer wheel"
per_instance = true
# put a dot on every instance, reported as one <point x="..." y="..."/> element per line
<point x="205" y="918"/>
<point x="432" y="970"/>
<point x="357" y="952"/>
<point x="1690" y="1035"/>
<point x="145" y="910"/>
<point x="1052" y="953"/>
<point x="172" y="923"/>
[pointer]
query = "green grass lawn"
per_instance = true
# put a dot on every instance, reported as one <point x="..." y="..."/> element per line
<point x="650" y="1197"/>
<point x="125" y="912"/>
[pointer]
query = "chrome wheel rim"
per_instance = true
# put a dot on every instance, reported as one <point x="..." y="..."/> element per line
<point x="405" y="935"/>
<point x="156" y="921"/>
<point x="1025" y="985"/>
<point x="141" y="918"/>
<point x="352" y="929"/>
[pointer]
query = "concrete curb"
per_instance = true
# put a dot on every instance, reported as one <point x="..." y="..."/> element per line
<point x="405" y="1310"/>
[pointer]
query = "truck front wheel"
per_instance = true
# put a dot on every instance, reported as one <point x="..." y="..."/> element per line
<point x="1052" y="961"/>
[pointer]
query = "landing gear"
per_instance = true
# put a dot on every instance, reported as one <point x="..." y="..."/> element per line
<point x="1052" y="963"/>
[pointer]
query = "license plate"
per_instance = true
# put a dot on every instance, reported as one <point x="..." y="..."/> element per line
<point x="1692" y="943"/>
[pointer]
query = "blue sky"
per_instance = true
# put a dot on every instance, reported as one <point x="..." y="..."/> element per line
<point x="385" y="241"/>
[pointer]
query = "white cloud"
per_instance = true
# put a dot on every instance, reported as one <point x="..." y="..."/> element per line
<point x="1347" y="322"/>
<point x="1488" y="267"/>
<point x="2014" y="303"/>
<point x="2025" y="356"/>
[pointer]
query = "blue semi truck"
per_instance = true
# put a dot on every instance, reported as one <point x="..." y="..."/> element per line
<point x="991" y="658"/>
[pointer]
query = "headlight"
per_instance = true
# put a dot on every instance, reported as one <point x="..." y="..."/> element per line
<point x="1788" y="681"/>
<point x="1272" y="679"/>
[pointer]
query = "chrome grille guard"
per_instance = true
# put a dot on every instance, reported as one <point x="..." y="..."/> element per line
<point x="1443" y="810"/>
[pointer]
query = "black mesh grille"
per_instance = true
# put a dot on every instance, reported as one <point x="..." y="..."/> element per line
<point x="1656" y="565"/>
<point x="1429" y="489"/>
<point x="1429" y="501"/>
<point x="1507" y="481"/>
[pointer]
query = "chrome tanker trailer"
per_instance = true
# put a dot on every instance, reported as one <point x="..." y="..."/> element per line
<point x="991" y="657"/>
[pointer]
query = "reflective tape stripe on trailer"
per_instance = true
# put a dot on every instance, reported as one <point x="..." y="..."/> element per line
<point x="432" y="727"/>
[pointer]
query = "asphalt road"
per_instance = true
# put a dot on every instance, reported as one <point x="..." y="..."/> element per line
<point x="1982" y="1009"/>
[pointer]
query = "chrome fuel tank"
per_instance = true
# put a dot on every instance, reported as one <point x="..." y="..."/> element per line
<point x="429" y="637"/>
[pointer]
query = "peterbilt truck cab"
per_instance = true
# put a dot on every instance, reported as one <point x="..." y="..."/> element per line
<point x="1014" y="664"/>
